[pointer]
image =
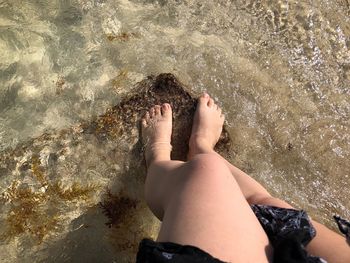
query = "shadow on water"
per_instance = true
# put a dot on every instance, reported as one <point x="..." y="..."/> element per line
<point x="86" y="242"/>
<point x="107" y="232"/>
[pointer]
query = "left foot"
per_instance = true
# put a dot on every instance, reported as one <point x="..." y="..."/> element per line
<point x="156" y="133"/>
<point x="207" y="126"/>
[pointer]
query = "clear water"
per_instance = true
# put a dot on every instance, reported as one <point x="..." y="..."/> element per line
<point x="280" y="70"/>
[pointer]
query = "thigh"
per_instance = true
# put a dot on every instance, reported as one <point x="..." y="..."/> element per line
<point x="207" y="209"/>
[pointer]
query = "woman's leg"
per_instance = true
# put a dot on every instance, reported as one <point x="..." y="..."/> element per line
<point x="199" y="202"/>
<point x="327" y="244"/>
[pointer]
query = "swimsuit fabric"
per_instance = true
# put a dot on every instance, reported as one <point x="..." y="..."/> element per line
<point x="289" y="231"/>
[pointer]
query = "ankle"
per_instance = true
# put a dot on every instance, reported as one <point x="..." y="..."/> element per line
<point x="158" y="162"/>
<point x="158" y="152"/>
<point x="198" y="145"/>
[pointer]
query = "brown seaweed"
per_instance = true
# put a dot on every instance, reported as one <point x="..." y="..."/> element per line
<point x="126" y="219"/>
<point x="60" y="84"/>
<point x="24" y="213"/>
<point x="74" y="193"/>
<point x="37" y="171"/>
<point x="123" y="37"/>
<point x="27" y="213"/>
<point x="154" y="90"/>
<point x="117" y="207"/>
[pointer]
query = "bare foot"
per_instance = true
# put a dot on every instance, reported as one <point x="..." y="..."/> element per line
<point x="156" y="133"/>
<point x="207" y="126"/>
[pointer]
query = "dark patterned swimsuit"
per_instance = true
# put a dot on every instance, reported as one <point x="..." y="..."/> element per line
<point x="289" y="231"/>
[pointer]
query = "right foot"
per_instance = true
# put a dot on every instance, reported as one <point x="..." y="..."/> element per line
<point x="207" y="126"/>
<point x="156" y="133"/>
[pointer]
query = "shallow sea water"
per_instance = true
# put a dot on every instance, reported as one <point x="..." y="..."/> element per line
<point x="279" y="69"/>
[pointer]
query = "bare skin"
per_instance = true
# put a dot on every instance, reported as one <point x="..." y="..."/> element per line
<point x="207" y="127"/>
<point x="156" y="133"/>
<point x="186" y="195"/>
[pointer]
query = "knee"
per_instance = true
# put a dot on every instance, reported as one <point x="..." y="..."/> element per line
<point x="208" y="165"/>
<point x="208" y="160"/>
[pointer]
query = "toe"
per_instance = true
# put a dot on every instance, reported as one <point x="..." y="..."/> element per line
<point x="203" y="99"/>
<point x="157" y="110"/>
<point x="211" y="102"/>
<point x="166" y="110"/>
<point x="152" y="112"/>
<point x="205" y="95"/>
